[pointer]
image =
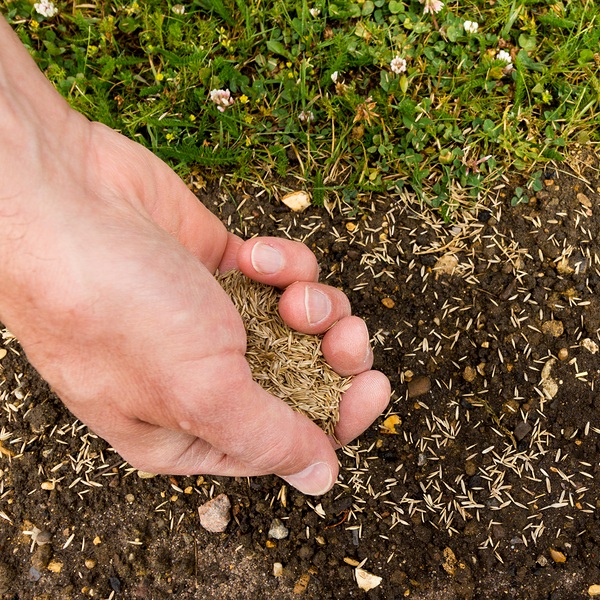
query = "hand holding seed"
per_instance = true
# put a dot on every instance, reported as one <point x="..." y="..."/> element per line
<point x="108" y="282"/>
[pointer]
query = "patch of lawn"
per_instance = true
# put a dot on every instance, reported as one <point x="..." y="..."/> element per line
<point x="349" y="97"/>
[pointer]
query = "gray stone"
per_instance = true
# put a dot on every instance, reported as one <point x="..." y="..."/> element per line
<point x="278" y="531"/>
<point x="522" y="430"/>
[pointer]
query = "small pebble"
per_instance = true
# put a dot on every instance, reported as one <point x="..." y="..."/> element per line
<point x="388" y="302"/>
<point x="553" y="327"/>
<point x="542" y="561"/>
<point x="594" y="590"/>
<point x="419" y="386"/>
<point x="34" y="574"/>
<point x="563" y="354"/>
<point x="41" y="557"/>
<point x="278" y="531"/>
<point x="557" y="556"/>
<point x="469" y="374"/>
<point x="215" y="514"/>
<point x="277" y="569"/>
<point x="115" y="584"/>
<point x="55" y="566"/>
<point x="522" y="430"/>
<point x="470" y="468"/>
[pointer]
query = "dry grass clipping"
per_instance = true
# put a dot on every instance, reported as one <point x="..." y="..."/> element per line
<point x="288" y="364"/>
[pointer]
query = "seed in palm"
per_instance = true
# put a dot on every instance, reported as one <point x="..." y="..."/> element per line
<point x="287" y="364"/>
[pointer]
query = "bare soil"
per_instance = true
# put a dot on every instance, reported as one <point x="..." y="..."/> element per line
<point x="486" y="487"/>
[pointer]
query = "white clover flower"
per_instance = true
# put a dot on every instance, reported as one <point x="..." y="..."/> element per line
<point x="178" y="9"/>
<point x="334" y="76"/>
<point x="504" y="56"/>
<point x="222" y="98"/>
<point x="315" y="12"/>
<point x="306" y="116"/>
<point x="471" y="26"/>
<point x="46" y="8"/>
<point x="398" y="65"/>
<point x="432" y="6"/>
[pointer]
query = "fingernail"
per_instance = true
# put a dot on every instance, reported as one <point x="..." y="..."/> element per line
<point x="314" y="480"/>
<point x="317" y="305"/>
<point x="266" y="259"/>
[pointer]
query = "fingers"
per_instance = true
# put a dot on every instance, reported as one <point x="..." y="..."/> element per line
<point x="361" y="404"/>
<point x="313" y="307"/>
<point x="347" y="348"/>
<point x="277" y="262"/>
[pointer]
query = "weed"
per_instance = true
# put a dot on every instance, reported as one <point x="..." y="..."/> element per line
<point x="366" y="96"/>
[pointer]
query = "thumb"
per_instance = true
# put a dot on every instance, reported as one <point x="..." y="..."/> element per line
<point x="279" y="440"/>
<point x="253" y="432"/>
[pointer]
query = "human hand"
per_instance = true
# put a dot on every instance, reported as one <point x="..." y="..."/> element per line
<point x="109" y="287"/>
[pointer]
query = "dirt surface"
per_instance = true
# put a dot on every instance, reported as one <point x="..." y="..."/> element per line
<point x="483" y="483"/>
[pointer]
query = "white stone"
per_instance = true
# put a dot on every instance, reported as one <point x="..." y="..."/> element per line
<point x="278" y="530"/>
<point x="297" y="201"/>
<point x="366" y="581"/>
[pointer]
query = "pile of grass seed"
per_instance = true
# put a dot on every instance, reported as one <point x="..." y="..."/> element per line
<point x="288" y="364"/>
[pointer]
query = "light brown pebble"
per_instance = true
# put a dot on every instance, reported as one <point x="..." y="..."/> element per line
<point x="3" y="353"/>
<point x="301" y="584"/>
<point x="388" y="302"/>
<point x="594" y="590"/>
<point x="419" y="386"/>
<point x="553" y="327"/>
<point x="584" y="200"/>
<point x="215" y="514"/>
<point x="90" y="563"/>
<point x="557" y="556"/>
<point x="469" y="374"/>
<point x="55" y="566"/>
<point x="450" y="563"/>
<point x="563" y="354"/>
<point x="277" y="569"/>
<point x="470" y="468"/>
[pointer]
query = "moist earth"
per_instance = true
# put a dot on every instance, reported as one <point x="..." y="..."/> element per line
<point x="480" y="481"/>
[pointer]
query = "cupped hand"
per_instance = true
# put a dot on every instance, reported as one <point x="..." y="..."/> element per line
<point x="108" y="285"/>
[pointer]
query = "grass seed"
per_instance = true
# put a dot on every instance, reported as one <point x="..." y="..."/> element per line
<point x="287" y="364"/>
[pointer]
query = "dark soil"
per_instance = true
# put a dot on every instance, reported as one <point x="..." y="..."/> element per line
<point x="489" y="487"/>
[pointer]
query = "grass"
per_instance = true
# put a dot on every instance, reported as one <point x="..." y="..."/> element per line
<point x="449" y="125"/>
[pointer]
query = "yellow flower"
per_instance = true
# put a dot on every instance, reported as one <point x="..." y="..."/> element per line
<point x="243" y="99"/>
<point x="170" y="137"/>
<point x="159" y="77"/>
<point x="192" y="118"/>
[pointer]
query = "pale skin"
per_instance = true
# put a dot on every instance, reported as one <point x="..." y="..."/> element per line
<point x="107" y="264"/>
